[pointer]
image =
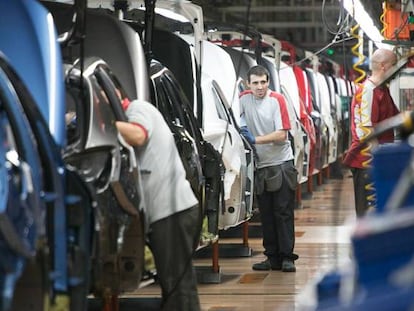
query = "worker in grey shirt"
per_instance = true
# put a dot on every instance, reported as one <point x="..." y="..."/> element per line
<point x="265" y="124"/>
<point x="170" y="205"/>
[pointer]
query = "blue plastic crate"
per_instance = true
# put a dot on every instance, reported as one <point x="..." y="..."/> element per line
<point x="382" y="244"/>
<point x="382" y="298"/>
<point x="388" y="163"/>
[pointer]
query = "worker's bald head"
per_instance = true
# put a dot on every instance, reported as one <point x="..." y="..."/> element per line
<point x="381" y="57"/>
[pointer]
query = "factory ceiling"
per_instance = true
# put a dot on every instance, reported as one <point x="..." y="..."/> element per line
<point x="312" y="25"/>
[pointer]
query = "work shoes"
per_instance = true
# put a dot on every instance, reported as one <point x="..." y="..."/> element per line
<point x="266" y="265"/>
<point x="288" y="265"/>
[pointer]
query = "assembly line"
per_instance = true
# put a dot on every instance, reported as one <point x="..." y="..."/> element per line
<point x="74" y="215"/>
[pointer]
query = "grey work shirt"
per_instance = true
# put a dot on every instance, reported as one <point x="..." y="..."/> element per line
<point x="264" y="116"/>
<point x="166" y="189"/>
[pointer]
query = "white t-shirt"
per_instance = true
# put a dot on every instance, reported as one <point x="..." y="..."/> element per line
<point x="263" y="116"/>
<point x="166" y="189"/>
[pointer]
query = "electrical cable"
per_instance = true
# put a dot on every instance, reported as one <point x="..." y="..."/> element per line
<point x="382" y="19"/>
<point x="362" y="74"/>
<point x="344" y="27"/>
<point x="363" y="117"/>
<point x="341" y="20"/>
<point x="401" y="27"/>
<point x="321" y="50"/>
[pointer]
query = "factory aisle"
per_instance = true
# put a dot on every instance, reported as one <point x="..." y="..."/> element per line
<point x="323" y="225"/>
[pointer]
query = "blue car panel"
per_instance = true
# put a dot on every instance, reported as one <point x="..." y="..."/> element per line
<point x="28" y="39"/>
<point x="22" y="210"/>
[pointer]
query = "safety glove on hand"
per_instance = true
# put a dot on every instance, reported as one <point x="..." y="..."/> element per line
<point x="244" y="130"/>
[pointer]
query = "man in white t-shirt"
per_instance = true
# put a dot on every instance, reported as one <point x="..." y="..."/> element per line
<point x="170" y="206"/>
<point x="265" y="123"/>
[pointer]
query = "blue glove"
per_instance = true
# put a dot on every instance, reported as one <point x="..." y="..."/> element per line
<point x="244" y="130"/>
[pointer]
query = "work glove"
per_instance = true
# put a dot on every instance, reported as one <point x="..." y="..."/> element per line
<point x="244" y="130"/>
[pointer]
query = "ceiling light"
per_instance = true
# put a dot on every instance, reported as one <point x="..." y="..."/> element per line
<point x="357" y="11"/>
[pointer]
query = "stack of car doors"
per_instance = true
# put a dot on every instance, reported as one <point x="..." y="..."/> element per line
<point x="219" y="123"/>
<point x="46" y="209"/>
<point x="296" y="57"/>
<point x="203" y="165"/>
<point x="220" y="127"/>
<point x="321" y="130"/>
<point x="305" y="115"/>
<point x="310" y="117"/>
<point x="95" y="148"/>
<point x="180" y="53"/>
<point x="109" y="166"/>
<point x="336" y="112"/>
<point x="326" y="125"/>
<point x="290" y="89"/>
<point x="329" y="117"/>
<point x="219" y="116"/>
<point x="202" y="162"/>
<point x="345" y="96"/>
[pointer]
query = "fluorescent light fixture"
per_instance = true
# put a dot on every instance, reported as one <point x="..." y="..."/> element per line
<point x="357" y="11"/>
<point x="172" y="15"/>
<point x="169" y="14"/>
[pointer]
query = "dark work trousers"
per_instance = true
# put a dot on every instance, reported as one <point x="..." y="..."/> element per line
<point x="172" y="241"/>
<point x="361" y="181"/>
<point x="277" y="217"/>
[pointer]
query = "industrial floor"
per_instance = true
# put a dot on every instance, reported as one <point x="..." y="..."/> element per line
<point x="323" y="221"/>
